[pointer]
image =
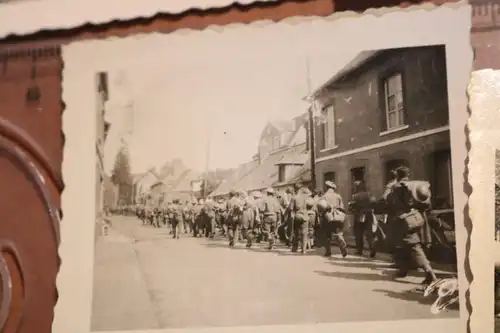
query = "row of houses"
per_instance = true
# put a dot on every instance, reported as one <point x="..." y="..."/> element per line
<point x="384" y="109"/>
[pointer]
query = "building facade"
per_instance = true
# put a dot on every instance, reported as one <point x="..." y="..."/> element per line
<point x="102" y="131"/>
<point x="485" y="33"/>
<point x="385" y="109"/>
<point x="142" y="184"/>
<point x="282" y="155"/>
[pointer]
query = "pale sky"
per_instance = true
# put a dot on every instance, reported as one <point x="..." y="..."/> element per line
<point x="175" y="108"/>
<point x="183" y="88"/>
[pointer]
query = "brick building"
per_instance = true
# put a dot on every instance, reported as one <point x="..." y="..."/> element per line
<point x="485" y="33"/>
<point x="280" y="161"/>
<point x="384" y="109"/>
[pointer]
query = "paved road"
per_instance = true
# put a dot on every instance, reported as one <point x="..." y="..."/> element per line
<point x="144" y="279"/>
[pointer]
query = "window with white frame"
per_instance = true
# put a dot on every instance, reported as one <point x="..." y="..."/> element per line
<point x="329" y="126"/>
<point x="394" y="106"/>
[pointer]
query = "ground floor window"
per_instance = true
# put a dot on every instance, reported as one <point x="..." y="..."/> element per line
<point x="328" y="176"/>
<point x="357" y="174"/>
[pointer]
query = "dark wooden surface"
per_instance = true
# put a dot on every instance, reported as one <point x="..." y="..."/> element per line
<point x="34" y="129"/>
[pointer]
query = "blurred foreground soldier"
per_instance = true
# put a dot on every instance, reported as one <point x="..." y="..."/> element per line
<point x="388" y="217"/>
<point x="332" y="215"/>
<point x="270" y="208"/>
<point x="177" y="221"/>
<point x="209" y="215"/>
<point x="298" y="209"/>
<point x="365" y="222"/>
<point x="410" y="201"/>
<point x="235" y="212"/>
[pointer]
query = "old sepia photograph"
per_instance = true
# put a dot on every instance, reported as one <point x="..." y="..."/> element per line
<point x="260" y="198"/>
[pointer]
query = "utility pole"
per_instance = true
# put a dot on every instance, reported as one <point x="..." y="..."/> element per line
<point x="312" y="146"/>
<point x="312" y="130"/>
<point x="207" y="162"/>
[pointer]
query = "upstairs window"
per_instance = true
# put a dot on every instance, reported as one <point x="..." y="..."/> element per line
<point x="328" y="127"/>
<point x="281" y="173"/>
<point x="394" y="101"/>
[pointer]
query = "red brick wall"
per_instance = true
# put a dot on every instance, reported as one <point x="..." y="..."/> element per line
<point x="359" y="109"/>
<point x="42" y="119"/>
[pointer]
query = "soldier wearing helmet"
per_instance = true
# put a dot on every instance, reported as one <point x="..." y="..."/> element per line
<point x="409" y="204"/>
<point x="177" y="221"/>
<point x="312" y="222"/>
<point x="332" y="219"/>
<point x="300" y="216"/>
<point x="248" y="219"/>
<point x="365" y="223"/>
<point x="271" y="210"/>
<point x="234" y="215"/>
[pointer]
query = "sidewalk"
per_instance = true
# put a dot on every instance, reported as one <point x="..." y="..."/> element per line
<point x="117" y="276"/>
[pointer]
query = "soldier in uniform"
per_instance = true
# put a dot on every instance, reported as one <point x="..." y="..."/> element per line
<point x="361" y="206"/>
<point x="248" y="219"/>
<point x="300" y="216"/>
<point x="271" y="211"/>
<point x="198" y="218"/>
<point x="313" y="223"/>
<point x="410" y="199"/>
<point x="177" y="220"/>
<point x="287" y="214"/>
<point x="332" y="215"/>
<point x="209" y="214"/>
<point x="235" y="212"/>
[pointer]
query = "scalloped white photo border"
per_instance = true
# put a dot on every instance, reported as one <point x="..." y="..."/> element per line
<point x="484" y="104"/>
<point x="376" y="29"/>
<point x="30" y="16"/>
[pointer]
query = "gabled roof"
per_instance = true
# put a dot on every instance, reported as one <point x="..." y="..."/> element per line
<point x="355" y="63"/>
<point x="183" y="184"/>
<point x="294" y="159"/>
<point x="266" y="174"/>
<point x="282" y="125"/>
<point x="229" y="183"/>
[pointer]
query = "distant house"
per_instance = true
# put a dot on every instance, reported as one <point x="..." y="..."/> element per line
<point x="178" y="182"/>
<point x="143" y="183"/>
<point x="281" y="156"/>
<point x="385" y="109"/>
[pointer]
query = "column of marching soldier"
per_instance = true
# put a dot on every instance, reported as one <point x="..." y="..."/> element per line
<point x="303" y="220"/>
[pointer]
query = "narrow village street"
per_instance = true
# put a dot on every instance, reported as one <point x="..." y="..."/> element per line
<point x="144" y="279"/>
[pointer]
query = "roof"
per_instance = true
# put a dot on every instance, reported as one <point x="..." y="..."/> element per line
<point x="282" y="125"/>
<point x="295" y="159"/>
<point x="138" y="176"/>
<point x="183" y="184"/>
<point x="355" y="63"/>
<point x="229" y="183"/>
<point x="266" y="173"/>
